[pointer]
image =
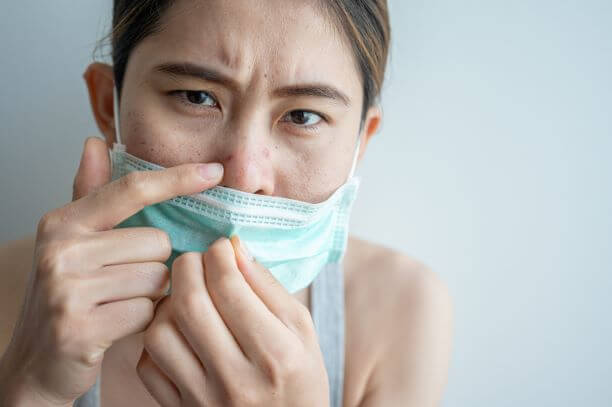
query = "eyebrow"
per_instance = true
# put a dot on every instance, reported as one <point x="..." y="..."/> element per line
<point x="211" y="75"/>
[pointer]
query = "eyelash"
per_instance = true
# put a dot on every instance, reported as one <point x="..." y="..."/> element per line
<point x="182" y="95"/>
<point x="183" y="98"/>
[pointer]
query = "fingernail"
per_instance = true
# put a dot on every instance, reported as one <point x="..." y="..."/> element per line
<point x="210" y="171"/>
<point x="244" y="250"/>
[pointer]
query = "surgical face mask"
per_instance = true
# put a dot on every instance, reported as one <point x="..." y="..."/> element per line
<point x="292" y="239"/>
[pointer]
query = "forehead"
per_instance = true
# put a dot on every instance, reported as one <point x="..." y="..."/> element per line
<point x="283" y="40"/>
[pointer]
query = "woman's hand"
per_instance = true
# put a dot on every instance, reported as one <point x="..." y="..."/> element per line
<point x="231" y="335"/>
<point x="91" y="284"/>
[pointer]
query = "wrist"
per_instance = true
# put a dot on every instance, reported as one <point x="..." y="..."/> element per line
<point x="22" y="396"/>
<point x="15" y="391"/>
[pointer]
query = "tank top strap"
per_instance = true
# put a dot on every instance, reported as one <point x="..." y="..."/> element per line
<point x="91" y="398"/>
<point x="327" y="309"/>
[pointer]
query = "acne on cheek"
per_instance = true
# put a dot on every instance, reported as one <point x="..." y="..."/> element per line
<point x="148" y="139"/>
<point x="313" y="179"/>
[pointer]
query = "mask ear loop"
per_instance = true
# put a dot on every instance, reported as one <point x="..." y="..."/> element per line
<point x="118" y="144"/>
<point x="355" y="155"/>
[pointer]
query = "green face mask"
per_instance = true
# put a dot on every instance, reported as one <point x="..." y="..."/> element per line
<point x="293" y="239"/>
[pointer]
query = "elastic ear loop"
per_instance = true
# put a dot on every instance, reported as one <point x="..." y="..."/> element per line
<point x="356" y="154"/>
<point x="118" y="142"/>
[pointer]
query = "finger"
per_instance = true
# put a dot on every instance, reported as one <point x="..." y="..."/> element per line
<point x="198" y="319"/>
<point x="94" y="168"/>
<point x="115" y="320"/>
<point x="247" y="317"/>
<point x="277" y="299"/>
<point x="156" y="382"/>
<point x="173" y="354"/>
<point x="127" y="195"/>
<point x="126" y="245"/>
<point x="126" y="281"/>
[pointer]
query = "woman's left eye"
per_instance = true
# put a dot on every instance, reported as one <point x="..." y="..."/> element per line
<point x="303" y="118"/>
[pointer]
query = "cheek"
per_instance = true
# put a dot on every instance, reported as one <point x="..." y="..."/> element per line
<point x="316" y="175"/>
<point x="159" y="139"/>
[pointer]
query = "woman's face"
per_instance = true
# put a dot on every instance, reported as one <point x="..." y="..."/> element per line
<point x="271" y="92"/>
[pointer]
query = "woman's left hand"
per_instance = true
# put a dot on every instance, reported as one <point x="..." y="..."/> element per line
<point x="231" y="335"/>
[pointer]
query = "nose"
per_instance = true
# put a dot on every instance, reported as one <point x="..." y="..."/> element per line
<point x="247" y="162"/>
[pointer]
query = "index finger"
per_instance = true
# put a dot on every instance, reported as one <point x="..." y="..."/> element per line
<point x="122" y="198"/>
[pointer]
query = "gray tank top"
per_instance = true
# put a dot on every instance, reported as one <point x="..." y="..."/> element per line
<point x="327" y="309"/>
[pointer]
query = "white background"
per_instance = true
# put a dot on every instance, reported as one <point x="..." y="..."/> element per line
<point x="493" y="167"/>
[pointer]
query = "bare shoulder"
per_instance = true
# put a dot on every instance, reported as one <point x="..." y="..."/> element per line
<point x="15" y="265"/>
<point x="401" y="312"/>
<point x="390" y="278"/>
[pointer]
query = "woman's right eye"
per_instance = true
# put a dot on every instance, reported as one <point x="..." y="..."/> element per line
<point x="197" y="97"/>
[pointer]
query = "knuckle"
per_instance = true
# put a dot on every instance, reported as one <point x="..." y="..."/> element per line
<point x="238" y="395"/>
<point x="188" y="308"/>
<point x="154" y="278"/>
<point x="180" y="175"/>
<point x="163" y="240"/>
<point x="186" y="260"/>
<point x="135" y="183"/>
<point x="53" y="220"/>
<point x="55" y="256"/>
<point x="281" y="364"/>
<point x="47" y="223"/>
<point x="63" y="305"/>
<point x="49" y="262"/>
<point x="91" y="357"/>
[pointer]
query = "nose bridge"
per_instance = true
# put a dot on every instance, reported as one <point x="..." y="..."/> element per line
<point x="246" y="155"/>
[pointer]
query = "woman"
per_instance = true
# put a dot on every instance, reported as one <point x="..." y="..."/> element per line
<point x="269" y="101"/>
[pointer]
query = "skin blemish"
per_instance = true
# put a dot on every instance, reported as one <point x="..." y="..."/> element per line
<point x="293" y="163"/>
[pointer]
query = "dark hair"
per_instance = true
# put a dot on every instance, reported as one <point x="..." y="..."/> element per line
<point x="365" y="23"/>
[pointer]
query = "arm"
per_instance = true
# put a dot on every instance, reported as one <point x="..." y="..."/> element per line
<point x="413" y="369"/>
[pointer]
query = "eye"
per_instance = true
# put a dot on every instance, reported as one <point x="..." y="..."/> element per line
<point x="199" y="97"/>
<point x="303" y="118"/>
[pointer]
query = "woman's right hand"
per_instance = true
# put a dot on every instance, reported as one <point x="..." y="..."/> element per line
<point x="91" y="284"/>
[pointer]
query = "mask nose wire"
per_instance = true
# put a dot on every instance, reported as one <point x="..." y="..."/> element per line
<point x="116" y="115"/>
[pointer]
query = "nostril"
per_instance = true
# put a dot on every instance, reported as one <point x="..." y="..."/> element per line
<point x="260" y="192"/>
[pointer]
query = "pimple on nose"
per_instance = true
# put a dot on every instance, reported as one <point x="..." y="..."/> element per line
<point x="229" y="158"/>
<point x="266" y="152"/>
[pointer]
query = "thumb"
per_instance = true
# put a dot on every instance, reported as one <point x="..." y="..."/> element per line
<point x="94" y="169"/>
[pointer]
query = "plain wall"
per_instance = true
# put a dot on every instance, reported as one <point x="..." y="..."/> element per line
<point x="492" y="167"/>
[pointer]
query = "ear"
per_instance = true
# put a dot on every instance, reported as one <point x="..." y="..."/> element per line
<point x="371" y="124"/>
<point x="100" y="82"/>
